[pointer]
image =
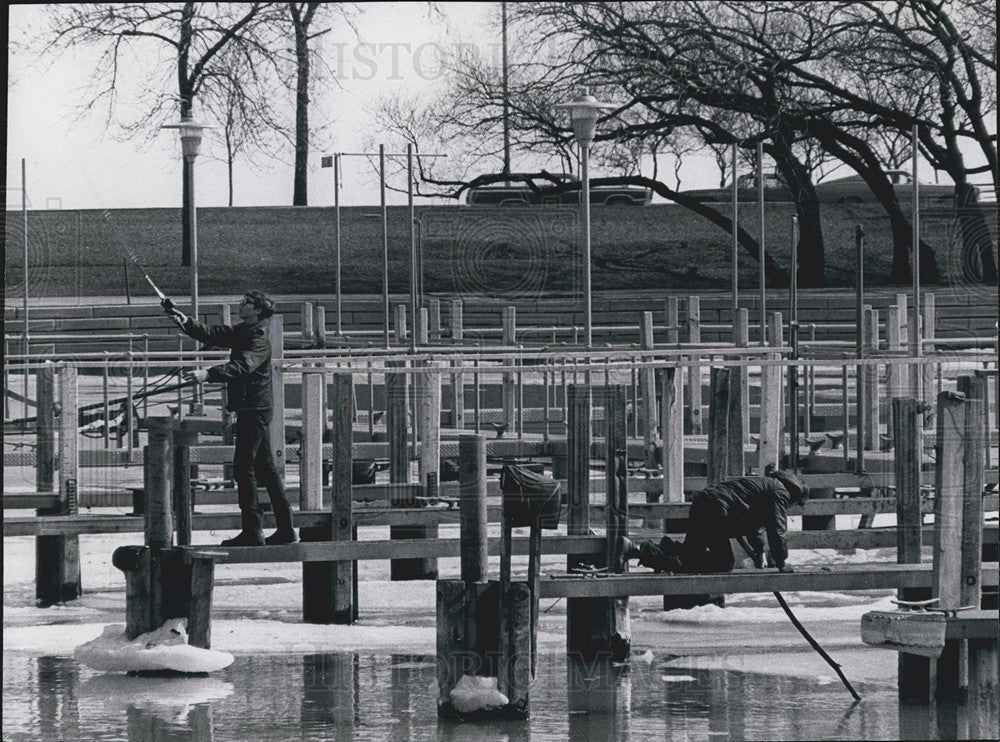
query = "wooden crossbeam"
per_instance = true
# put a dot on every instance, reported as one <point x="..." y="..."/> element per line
<point x="841" y="577"/>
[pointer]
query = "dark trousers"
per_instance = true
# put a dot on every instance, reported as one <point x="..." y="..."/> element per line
<point x="705" y="549"/>
<point x="253" y="463"/>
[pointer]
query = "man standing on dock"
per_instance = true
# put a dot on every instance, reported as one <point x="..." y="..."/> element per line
<point x="745" y="508"/>
<point x="247" y="376"/>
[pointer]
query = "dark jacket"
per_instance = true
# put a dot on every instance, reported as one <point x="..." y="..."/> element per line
<point x="751" y="507"/>
<point x="247" y="375"/>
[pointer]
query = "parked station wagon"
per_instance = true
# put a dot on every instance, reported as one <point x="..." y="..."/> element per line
<point x="521" y="194"/>
<point x="853" y="190"/>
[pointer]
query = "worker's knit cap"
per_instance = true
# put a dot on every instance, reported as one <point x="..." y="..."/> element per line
<point x="796" y="489"/>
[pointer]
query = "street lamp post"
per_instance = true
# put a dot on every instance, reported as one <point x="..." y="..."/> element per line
<point x="191" y="135"/>
<point x="583" y="117"/>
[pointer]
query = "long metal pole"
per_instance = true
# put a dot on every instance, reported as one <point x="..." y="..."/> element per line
<point x="915" y="344"/>
<point x="760" y="268"/>
<point x="793" y="331"/>
<point x="506" y="95"/>
<point x="24" y="217"/>
<point x="413" y="248"/>
<point x="193" y="231"/>
<point x="336" y="207"/>
<point x="585" y="200"/>
<point x="736" y="239"/>
<point x="859" y="299"/>
<point x="385" y="243"/>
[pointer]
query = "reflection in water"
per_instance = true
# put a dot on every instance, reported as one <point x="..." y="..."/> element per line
<point x="373" y="697"/>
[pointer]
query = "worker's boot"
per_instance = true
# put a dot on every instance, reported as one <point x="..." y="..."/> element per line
<point x="282" y="536"/>
<point x="629" y="549"/>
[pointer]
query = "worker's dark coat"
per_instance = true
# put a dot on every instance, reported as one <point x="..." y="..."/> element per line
<point x="748" y="507"/>
<point x="247" y="375"/>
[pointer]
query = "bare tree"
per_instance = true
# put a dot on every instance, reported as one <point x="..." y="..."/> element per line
<point x="183" y="42"/>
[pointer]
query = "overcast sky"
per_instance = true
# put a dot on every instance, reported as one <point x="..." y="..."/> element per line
<point x="77" y="165"/>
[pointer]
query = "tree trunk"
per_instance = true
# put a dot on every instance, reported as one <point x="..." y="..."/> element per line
<point x="978" y="262"/>
<point x="810" y="248"/>
<point x="300" y="195"/>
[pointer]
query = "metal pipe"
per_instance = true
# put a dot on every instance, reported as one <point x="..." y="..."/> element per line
<point x="760" y="267"/>
<point x="793" y="331"/>
<point x="336" y="208"/>
<point x="413" y="246"/>
<point x="736" y="239"/>
<point x="859" y="401"/>
<point x="385" y="245"/>
<point x="585" y="201"/>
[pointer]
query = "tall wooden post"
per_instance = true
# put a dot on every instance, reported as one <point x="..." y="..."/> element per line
<point x="649" y="399"/>
<point x="307" y="323"/>
<point x="458" y="380"/>
<point x="907" y="429"/>
<point x="694" y="424"/>
<point x="472" y="506"/>
<point x="673" y="320"/>
<point x="509" y="340"/>
<point x="894" y="377"/>
<point x="158" y="486"/>
<point x="434" y="319"/>
<point x="319" y="326"/>
<point x="57" y="558"/>
<point x="183" y="438"/>
<point x="396" y="410"/>
<point x="618" y="633"/>
<point x="327" y="587"/>
<point x="770" y="400"/>
<point x="311" y="457"/>
<point x="928" y="370"/>
<point x="741" y="339"/>
<point x="672" y="423"/>
<point x="718" y="425"/>
<point x="578" y="413"/>
<point x="735" y="465"/>
<point x="869" y="382"/>
<point x="276" y="430"/>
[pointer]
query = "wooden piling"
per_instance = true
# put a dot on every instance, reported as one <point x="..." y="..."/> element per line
<point x="200" y="611"/>
<point x="307" y="323"/>
<point x="472" y="506"/>
<point x="649" y="397"/>
<point x="327" y="587"/>
<point x="319" y="326"/>
<point x="894" y="376"/>
<point x="458" y="380"/>
<point x="434" y="319"/>
<point x="741" y="338"/>
<point x="509" y="318"/>
<point x="735" y="463"/>
<point x="869" y="382"/>
<point x="57" y="558"/>
<point x="770" y="401"/>
<point x="183" y="438"/>
<point x="694" y="425"/>
<point x="928" y="370"/>
<point x="578" y="413"/>
<point x="618" y="633"/>
<point x="311" y="450"/>
<point x="276" y="429"/>
<point x="907" y="427"/>
<point x="718" y="424"/>
<point x="673" y="320"/>
<point x="672" y="423"/>
<point x="158" y="486"/>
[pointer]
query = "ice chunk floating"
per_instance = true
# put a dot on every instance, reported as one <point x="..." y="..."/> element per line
<point x="165" y="648"/>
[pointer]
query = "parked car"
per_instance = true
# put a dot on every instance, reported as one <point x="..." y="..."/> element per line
<point x="519" y="193"/>
<point x="746" y="190"/>
<point x="853" y="190"/>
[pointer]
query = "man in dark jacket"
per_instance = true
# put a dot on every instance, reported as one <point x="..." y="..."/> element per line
<point x="746" y="508"/>
<point x="247" y="376"/>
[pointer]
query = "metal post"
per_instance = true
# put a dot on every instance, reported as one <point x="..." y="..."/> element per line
<point x="413" y="242"/>
<point x="736" y="238"/>
<point x="336" y="207"/>
<point x="24" y="217"/>
<point x="793" y="330"/>
<point x="760" y="268"/>
<point x="193" y="231"/>
<point x="385" y="244"/>
<point x="585" y="201"/>
<point x="915" y="345"/>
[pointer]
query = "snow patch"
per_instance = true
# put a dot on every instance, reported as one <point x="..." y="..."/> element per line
<point x="165" y="648"/>
<point x="473" y="693"/>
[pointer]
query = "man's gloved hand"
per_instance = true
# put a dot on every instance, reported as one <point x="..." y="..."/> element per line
<point x="196" y="376"/>
<point x="179" y="318"/>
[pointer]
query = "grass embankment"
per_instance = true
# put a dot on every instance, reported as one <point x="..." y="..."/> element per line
<point x="474" y="250"/>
